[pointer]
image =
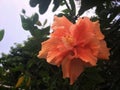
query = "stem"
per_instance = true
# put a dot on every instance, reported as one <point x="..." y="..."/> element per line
<point x="67" y="4"/>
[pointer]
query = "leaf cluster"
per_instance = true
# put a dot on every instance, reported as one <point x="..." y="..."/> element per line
<point x="43" y="5"/>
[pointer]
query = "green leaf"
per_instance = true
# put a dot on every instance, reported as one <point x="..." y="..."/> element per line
<point x="26" y="23"/>
<point x="1" y="34"/>
<point x="30" y="63"/>
<point x="45" y="31"/>
<point x="66" y="11"/>
<point x="25" y="26"/>
<point x="45" y="22"/>
<point x="43" y="6"/>
<point x="18" y="68"/>
<point x="33" y="3"/>
<point x="23" y="11"/>
<point x="72" y="3"/>
<point x="37" y="33"/>
<point x="56" y="4"/>
<point x="87" y="4"/>
<point x="34" y="18"/>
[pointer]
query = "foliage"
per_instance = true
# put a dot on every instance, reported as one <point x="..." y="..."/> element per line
<point x="22" y="59"/>
<point x="43" y="5"/>
<point x="1" y="34"/>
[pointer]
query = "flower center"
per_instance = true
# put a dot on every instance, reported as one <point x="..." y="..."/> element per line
<point x="68" y="41"/>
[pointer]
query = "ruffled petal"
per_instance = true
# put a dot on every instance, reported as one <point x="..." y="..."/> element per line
<point x="61" y="22"/>
<point x="47" y="46"/>
<point x="44" y="50"/>
<point x="104" y="51"/>
<point x="56" y="57"/>
<point x="82" y="31"/>
<point x="76" y="68"/>
<point x="86" y="24"/>
<point x="60" y="32"/>
<point x="97" y="31"/>
<point x="66" y="66"/>
<point x="52" y="55"/>
<point x="85" y="54"/>
<point x="94" y="45"/>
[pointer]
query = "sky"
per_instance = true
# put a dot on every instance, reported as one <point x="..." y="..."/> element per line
<point x="10" y="21"/>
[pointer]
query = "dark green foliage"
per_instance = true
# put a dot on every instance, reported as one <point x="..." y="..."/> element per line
<point x="1" y="34"/>
<point x="33" y="3"/>
<point x="87" y="4"/>
<point x="73" y="9"/>
<point x="43" y="5"/>
<point x="107" y="14"/>
<point x="56" y="4"/>
<point x="29" y="22"/>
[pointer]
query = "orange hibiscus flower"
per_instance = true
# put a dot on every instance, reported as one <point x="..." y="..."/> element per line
<point x="74" y="46"/>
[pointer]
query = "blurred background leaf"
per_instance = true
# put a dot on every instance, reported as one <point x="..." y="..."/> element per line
<point x="1" y="34"/>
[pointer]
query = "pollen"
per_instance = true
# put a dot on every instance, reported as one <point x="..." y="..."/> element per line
<point x="68" y="41"/>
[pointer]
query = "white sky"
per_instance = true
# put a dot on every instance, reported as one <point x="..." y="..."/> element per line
<point x="10" y="11"/>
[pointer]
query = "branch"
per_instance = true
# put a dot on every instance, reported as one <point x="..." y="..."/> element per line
<point x="6" y="86"/>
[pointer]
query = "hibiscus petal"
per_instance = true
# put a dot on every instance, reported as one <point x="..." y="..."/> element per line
<point x="82" y="31"/>
<point x="104" y="51"/>
<point x="47" y="46"/>
<point x="85" y="54"/>
<point x="76" y="68"/>
<point x="86" y="23"/>
<point x="60" y="32"/>
<point x="61" y="22"/>
<point x="56" y="57"/>
<point x="66" y="67"/>
<point x="44" y="51"/>
<point x="97" y="31"/>
<point x="51" y="55"/>
<point x="94" y="45"/>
